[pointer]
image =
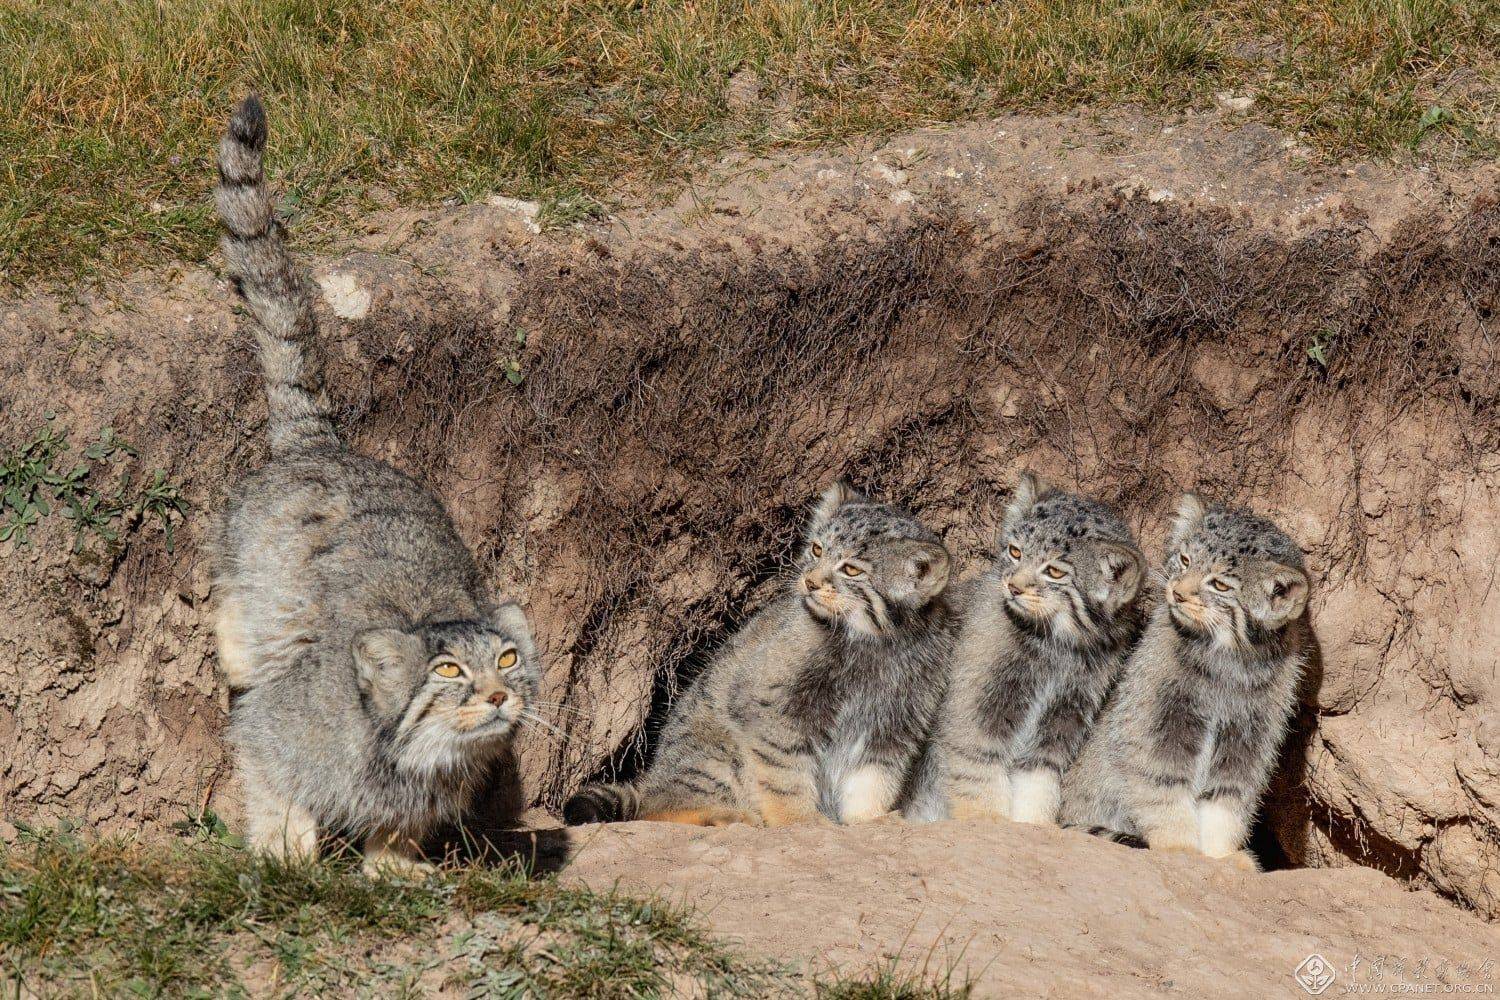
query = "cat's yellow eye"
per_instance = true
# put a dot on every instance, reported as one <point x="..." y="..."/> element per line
<point x="1186" y="562"/>
<point x="1015" y="552"/>
<point x="852" y="570"/>
<point x="1055" y="573"/>
<point x="447" y="669"/>
<point x="817" y="550"/>
<point x="507" y="660"/>
<point x="1220" y="586"/>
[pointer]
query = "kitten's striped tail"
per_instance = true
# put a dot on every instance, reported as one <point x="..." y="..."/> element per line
<point x="602" y="804"/>
<point x="274" y="289"/>
<point x="1106" y="833"/>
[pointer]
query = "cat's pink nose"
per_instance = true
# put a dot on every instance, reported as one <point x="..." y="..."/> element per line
<point x="498" y="698"/>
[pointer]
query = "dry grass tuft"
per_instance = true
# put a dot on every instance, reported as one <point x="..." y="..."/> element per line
<point x="112" y="105"/>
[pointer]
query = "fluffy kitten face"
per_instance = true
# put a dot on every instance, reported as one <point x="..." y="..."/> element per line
<point x="866" y="566"/>
<point x="1232" y="577"/>
<point x="1069" y="565"/>
<point x="449" y="690"/>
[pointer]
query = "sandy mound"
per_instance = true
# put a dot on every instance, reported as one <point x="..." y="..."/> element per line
<point x="1033" y="912"/>
<point x="629" y="419"/>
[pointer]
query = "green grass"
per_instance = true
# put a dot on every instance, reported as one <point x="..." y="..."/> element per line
<point x="118" y="918"/>
<point x="111" y="106"/>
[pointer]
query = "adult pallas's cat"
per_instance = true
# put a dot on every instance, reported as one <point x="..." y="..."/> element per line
<point x="378" y="681"/>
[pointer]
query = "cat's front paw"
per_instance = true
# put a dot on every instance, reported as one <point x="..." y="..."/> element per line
<point x="389" y="864"/>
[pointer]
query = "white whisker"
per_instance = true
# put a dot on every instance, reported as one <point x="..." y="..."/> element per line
<point x="536" y="720"/>
<point x="552" y="706"/>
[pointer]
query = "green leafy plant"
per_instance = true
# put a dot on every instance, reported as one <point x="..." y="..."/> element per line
<point x="25" y="490"/>
<point x="1317" y="351"/>
<point x="512" y="365"/>
<point x="91" y="512"/>
<point x="161" y="500"/>
<point x="38" y="479"/>
<point x="1434" y="117"/>
<point x="208" y="827"/>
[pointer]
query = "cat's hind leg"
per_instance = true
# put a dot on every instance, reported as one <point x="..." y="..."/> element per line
<point x="234" y="656"/>
<point x="705" y="815"/>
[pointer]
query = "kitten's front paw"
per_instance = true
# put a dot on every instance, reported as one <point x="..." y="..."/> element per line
<point x="1244" y="861"/>
<point x="964" y="808"/>
<point x="1035" y="797"/>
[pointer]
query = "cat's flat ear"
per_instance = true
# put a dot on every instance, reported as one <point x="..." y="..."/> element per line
<point x="836" y="496"/>
<point x="927" y="567"/>
<point x="1284" y="591"/>
<point x="1028" y="491"/>
<point x="1122" y="569"/>
<point x="1186" y="520"/>
<point x="380" y="651"/>
<point x="511" y="621"/>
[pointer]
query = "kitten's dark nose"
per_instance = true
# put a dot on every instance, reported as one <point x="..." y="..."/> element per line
<point x="1014" y="590"/>
<point x="498" y="698"/>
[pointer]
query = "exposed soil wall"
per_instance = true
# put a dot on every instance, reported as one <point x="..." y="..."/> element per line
<point x="1130" y="312"/>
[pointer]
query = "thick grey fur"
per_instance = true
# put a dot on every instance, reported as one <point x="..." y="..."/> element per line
<point x="1035" y="658"/>
<point x="341" y="588"/>
<point x="1186" y="746"/>
<point x="818" y="707"/>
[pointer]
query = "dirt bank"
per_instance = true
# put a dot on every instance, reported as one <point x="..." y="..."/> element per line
<point x="629" y="420"/>
<point x="1018" y="911"/>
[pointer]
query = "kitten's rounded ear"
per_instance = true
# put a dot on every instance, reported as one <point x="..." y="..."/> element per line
<point x="927" y="566"/>
<point x="510" y="620"/>
<point x="836" y="496"/>
<point x="1187" y="519"/>
<point x="1122" y="569"/>
<point x="1284" y="592"/>
<point x="1029" y="489"/>
<point x="379" y="650"/>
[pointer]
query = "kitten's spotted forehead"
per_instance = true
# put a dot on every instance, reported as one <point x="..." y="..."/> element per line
<point x="1234" y="537"/>
<point x="1059" y="522"/>
<point x="461" y="638"/>
<point x="857" y="526"/>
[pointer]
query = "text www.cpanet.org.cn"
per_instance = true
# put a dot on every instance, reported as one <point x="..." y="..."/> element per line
<point x="1395" y="975"/>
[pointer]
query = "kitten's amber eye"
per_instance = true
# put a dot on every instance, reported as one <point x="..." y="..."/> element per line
<point x="507" y="659"/>
<point x="817" y="550"/>
<point x="1055" y="573"/>
<point x="1015" y="552"/>
<point x="1186" y="562"/>
<point x="447" y="669"/>
<point x="852" y="570"/>
<point x="1220" y="586"/>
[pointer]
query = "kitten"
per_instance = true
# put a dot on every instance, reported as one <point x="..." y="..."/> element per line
<point x="1185" y="748"/>
<point x="378" y="682"/>
<point x="818" y="707"/>
<point x="1043" y="638"/>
